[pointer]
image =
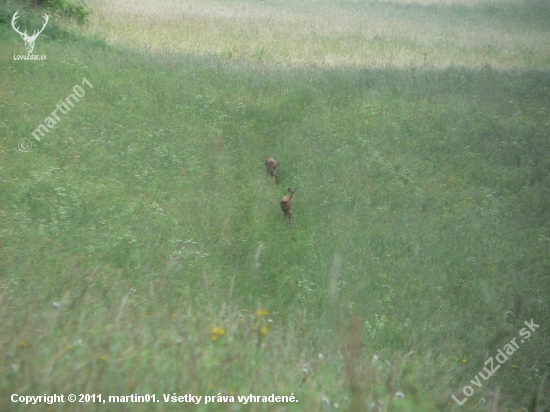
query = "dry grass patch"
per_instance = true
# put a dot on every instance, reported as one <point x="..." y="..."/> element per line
<point x="375" y="34"/>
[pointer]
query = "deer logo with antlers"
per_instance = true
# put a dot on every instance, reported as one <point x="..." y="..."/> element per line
<point x="29" y="40"/>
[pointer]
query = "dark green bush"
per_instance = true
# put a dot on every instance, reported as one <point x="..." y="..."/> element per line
<point x="67" y="8"/>
<point x="76" y="10"/>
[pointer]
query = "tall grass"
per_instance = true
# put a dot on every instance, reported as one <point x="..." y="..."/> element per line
<point x="143" y="248"/>
<point x="321" y="33"/>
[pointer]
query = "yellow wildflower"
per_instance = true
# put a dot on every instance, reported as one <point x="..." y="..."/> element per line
<point x="261" y="312"/>
<point x="217" y="333"/>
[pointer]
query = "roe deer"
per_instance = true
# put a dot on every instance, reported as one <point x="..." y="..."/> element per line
<point x="287" y="203"/>
<point x="273" y="168"/>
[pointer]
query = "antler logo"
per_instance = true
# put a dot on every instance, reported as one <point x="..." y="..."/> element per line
<point x="29" y="40"/>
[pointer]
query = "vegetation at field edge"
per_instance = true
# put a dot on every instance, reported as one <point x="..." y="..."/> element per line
<point x="143" y="248"/>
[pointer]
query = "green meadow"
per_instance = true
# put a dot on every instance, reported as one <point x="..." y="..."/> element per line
<point x="143" y="249"/>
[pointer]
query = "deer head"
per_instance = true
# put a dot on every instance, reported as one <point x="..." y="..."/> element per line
<point x="29" y="40"/>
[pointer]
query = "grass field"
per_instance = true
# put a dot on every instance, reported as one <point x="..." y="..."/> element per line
<point x="143" y="249"/>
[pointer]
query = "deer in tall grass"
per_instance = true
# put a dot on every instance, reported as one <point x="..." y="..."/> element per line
<point x="287" y="203"/>
<point x="273" y="168"/>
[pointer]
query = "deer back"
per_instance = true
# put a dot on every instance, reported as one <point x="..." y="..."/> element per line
<point x="272" y="166"/>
